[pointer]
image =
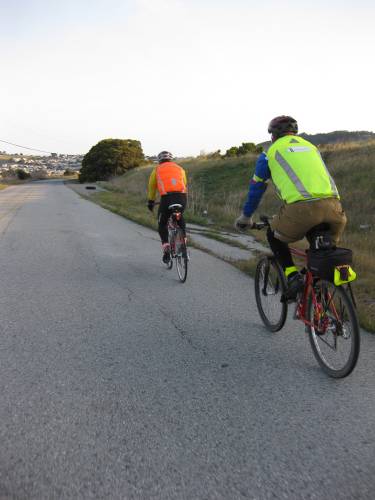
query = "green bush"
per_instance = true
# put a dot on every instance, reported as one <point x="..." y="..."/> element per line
<point x="244" y="149"/>
<point x="22" y="175"/>
<point x="233" y="151"/>
<point x="110" y="157"/>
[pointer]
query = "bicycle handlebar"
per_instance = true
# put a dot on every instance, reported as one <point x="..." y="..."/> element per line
<point x="264" y="222"/>
<point x="259" y="225"/>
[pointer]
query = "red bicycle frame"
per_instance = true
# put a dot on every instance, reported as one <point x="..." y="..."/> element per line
<point x="172" y="226"/>
<point x="301" y="307"/>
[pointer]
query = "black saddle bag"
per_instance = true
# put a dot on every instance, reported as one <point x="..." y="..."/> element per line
<point x="333" y="264"/>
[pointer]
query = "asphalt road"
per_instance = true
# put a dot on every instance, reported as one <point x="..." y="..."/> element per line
<point x="117" y="381"/>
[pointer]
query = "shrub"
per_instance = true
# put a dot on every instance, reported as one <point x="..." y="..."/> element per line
<point x="68" y="172"/>
<point x="110" y="157"/>
<point x="233" y="151"/>
<point x="244" y="149"/>
<point x="22" y="175"/>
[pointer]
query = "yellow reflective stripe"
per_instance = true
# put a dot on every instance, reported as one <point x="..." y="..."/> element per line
<point x="290" y="270"/>
<point x="257" y="179"/>
<point x="351" y="275"/>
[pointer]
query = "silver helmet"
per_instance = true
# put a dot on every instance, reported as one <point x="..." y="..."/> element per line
<point x="165" y="156"/>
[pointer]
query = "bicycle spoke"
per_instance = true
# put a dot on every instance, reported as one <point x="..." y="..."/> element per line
<point x="333" y="347"/>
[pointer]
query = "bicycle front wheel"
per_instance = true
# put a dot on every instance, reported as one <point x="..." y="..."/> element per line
<point x="269" y="288"/>
<point x="334" y="331"/>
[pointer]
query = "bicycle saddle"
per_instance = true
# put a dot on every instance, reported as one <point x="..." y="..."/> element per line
<point x="320" y="237"/>
<point x="175" y="206"/>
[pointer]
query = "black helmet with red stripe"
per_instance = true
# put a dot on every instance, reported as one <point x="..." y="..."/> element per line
<point x="282" y="125"/>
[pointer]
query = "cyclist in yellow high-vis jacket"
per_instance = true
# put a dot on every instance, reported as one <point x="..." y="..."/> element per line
<point x="304" y="184"/>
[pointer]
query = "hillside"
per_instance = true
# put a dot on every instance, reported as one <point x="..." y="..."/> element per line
<point x="336" y="137"/>
<point x="219" y="187"/>
<point x="339" y="136"/>
<point x="5" y="157"/>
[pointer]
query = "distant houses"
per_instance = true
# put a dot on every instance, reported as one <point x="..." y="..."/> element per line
<point x="51" y="165"/>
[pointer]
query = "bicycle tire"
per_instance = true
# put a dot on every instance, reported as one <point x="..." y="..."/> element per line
<point x="181" y="258"/>
<point x="268" y="267"/>
<point x="171" y="241"/>
<point x="339" y="299"/>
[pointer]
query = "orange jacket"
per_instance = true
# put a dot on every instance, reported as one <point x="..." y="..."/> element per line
<point x="168" y="177"/>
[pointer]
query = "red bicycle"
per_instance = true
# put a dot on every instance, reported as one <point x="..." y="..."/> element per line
<point x="327" y="309"/>
<point x="177" y="243"/>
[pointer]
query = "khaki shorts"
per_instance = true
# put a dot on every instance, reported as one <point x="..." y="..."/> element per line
<point x="295" y="220"/>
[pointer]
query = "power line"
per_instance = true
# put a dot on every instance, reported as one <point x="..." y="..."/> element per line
<point x="26" y="147"/>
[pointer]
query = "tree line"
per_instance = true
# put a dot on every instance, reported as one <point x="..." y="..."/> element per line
<point x="112" y="157"/>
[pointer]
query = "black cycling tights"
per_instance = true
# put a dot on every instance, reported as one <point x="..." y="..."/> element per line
<point x="164" y="213"/>
<point x="163" y="229"/>
<point x="280" y="250"/>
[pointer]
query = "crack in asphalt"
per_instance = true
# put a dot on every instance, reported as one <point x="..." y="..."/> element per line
<point x="120" y="284"/>
<point x="183" y="333"/>
<point x="12" y="214"/>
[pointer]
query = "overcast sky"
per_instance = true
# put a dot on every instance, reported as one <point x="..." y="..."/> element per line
<point x="182" y="75"/>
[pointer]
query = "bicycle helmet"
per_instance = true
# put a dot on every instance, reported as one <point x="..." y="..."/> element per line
<point x="165" y="156"/>
<point x="281" y="125"/>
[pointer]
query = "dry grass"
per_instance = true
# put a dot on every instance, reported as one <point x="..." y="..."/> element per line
<point x="128" y="206"/>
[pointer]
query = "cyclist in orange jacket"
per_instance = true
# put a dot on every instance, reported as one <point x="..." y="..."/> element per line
<point x="170" y="180"/>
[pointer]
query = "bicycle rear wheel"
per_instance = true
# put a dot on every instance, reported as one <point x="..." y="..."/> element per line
<point x="181" y="257"/>
<point x="334" y="333"/>
<point x="269" y="288"/>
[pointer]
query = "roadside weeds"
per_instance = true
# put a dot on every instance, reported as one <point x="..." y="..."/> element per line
<point x="132" y="207"/>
